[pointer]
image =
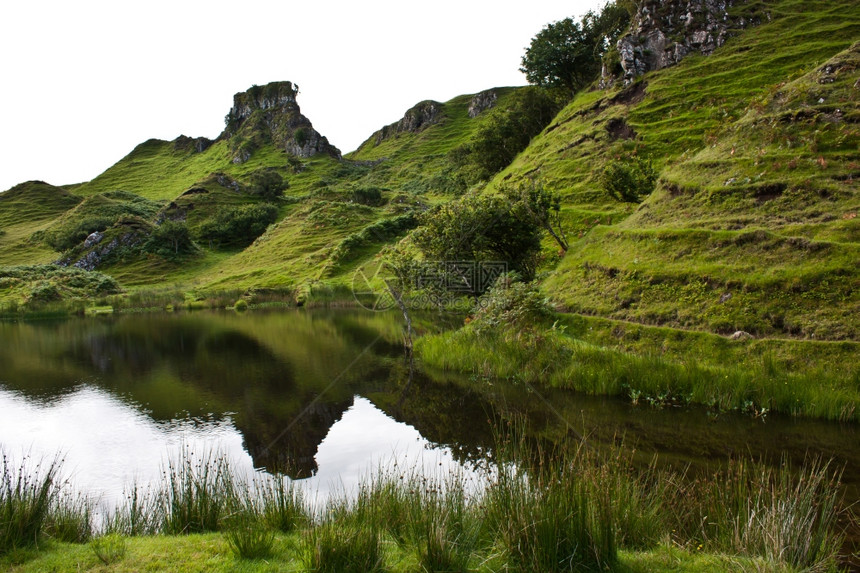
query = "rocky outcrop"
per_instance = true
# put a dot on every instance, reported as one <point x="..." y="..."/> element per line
<point x="664" y="32"/>
<point x="100" y="247"/>
<point x="271" y="113"/>
<point x="416" y="119"/>
<point x="482" y="102"/>
<point x="195" y="144"/>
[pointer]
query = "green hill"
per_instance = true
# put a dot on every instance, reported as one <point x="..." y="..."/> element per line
<point x="752" y="225"/>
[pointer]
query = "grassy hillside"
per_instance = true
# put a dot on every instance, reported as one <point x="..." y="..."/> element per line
<point x="752" y="226"/>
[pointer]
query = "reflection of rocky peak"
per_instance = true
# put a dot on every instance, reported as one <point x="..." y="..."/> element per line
<point x="294" y="453"/>
<point x="270" y="113"/>
<point x="664" y="31"/>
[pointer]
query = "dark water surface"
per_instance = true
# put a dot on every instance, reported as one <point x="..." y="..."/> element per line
<point x="324" y="396"/>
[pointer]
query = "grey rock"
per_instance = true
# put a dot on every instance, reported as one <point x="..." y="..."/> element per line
<point x="482" y="102"/>
<point x="741" y="335"/>
<point x="93" y="239"/>
<point x="663" y="32"/>
<point x="417" y="118"/>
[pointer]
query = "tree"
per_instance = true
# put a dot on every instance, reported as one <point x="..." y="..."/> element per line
<point x="268" y="184"/>
<point x="567" y="54"/>
<point x="560" y="57"/>
<point x="505" y="132"/>
<point x="478" y="229"/>
<point x="542" y="206"/>
<point x="170" y="239"/>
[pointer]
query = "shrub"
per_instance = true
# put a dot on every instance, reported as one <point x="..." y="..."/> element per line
<point x="629" y="180"/>
<point x="367" y="196"/>
<point x="510" y="302"/>
<point x="268" y="184"/>
<point x="109" y="548"/>
<point x="504" y="133"/>
<point x="301" y="136"/>
<point x="238" y="226"/>
<point x="241" y="305"/>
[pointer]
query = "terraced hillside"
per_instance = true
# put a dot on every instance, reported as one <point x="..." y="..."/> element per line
<point x="752" y="225"/>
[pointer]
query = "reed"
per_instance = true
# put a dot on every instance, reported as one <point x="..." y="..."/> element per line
<point x="27" y="494"/>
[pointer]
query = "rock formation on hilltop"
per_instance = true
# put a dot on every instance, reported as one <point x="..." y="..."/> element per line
<point x="270" y="113"/>
<point x="664" y="32"/>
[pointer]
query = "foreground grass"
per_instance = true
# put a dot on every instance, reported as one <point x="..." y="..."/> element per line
<point x="210" y="552"/>
<point x="559" y="508"/>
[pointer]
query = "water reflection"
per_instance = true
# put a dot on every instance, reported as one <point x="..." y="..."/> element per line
<point x="109" y="445"/>
<point x="314" y="395"/>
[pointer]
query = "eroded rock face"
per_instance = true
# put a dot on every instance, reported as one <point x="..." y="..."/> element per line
<point x="196" y="144"/>
<point x="664" y="32"/>
<point x="416" y="118"/>
<point x="482" y="102"/>
<point x="271" y="113"/>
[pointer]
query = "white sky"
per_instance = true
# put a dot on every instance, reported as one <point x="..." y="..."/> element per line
<point x="82" y="83"/>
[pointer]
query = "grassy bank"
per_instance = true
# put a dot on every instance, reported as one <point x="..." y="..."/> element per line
<point x="763" y="377"/>
<point x="568" y="509"/>
<point x="514" y="336"/>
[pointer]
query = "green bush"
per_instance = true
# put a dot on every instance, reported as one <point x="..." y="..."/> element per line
<point x="481" y="228"/>
<point x="511" y="302"/>
<point x="504" y="133"/>
<point x="268" y="184"/>
<point x="238" y="226"/>
<point x="629" y="180"/>
<point x="96" y="213"/>
<point x="367" y="196"/>
<point x="170" y="239"/>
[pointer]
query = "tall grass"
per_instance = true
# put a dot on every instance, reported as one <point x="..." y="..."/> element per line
<point x="26" y="496"/>
<point x="559" y="508"/>
<point x="784" y="515"/>
<point x="197" y="493"/>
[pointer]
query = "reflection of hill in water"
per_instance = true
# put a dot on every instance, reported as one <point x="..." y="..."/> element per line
<point x="273" y="374"/>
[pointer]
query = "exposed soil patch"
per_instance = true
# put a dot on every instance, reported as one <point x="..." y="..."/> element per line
<point x="769" y="192"/>
<point x="630" y="95"/>
<point x="619" y="129"/>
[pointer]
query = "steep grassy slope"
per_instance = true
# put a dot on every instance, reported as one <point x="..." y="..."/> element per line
<point x="753" y="225"/>
<point x="26" y="208"/>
